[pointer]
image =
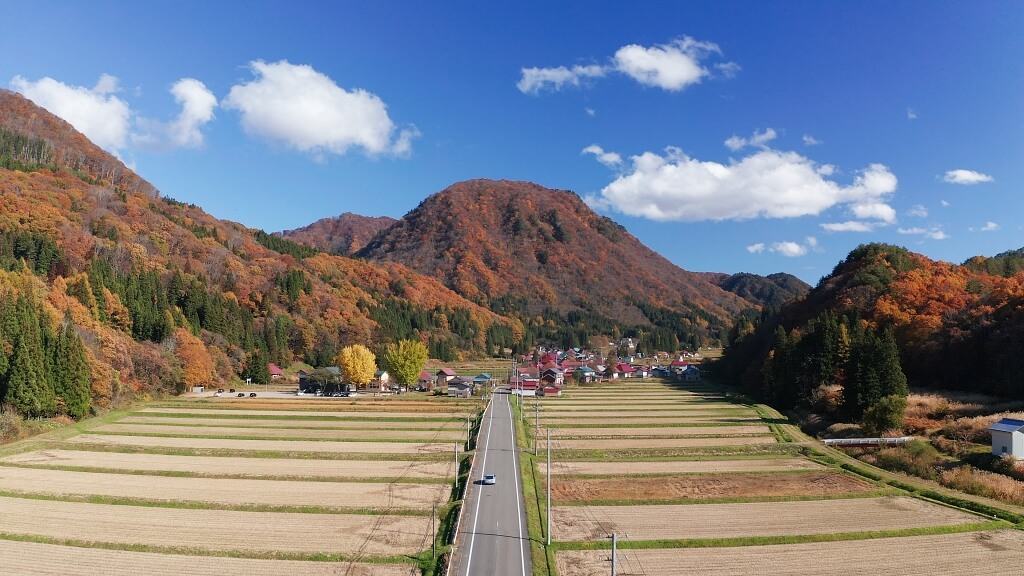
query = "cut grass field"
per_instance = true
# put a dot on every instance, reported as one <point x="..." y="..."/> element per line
<point x="337" y="424"/>
<point x="714" y="466"/>
<point x="267" y="445"/>
<point x="675" y="431"/>
<point x="226" y="491"/>
<point x="666" y="522"/>
<point x="255" y="491"/>
<point x="53" y="560"/>
<point x="341" y="435"/>
<point x="966" y="554"/>
<point x="354" y="414"/>
<point x="215" y="466"/>
<point x="721" y="487"/>
<point x="216" y="530"/>
<point x="654" y="443"/>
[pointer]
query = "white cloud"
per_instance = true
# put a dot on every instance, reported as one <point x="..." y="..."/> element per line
<point x="811" y="140"/>
<point x="945" y="204"/>
<point x="756" y="248"/>
<point x="849" y="226"/>
<point x="789" y="249"/>
<point x="590" y="112"/>
<point x="609" y="159"/>
<point x="758" y="139"/>
<point x="768" y="183"/>
<point x="812" y="243"/>
<point x="918" y="211"/>
<point x="104" y="118"/>
<point x="876" y="210"/>
<point x="935" y="232"/>
<point x="185" y="131"/>
<point x="911" y="114"/>
<point x="534" y="80"/>
<point x="990" y="227"/>
<point x="308" y="111"/>
<point x="965" y="177"/>
<point x="197" y="104"/>
<point x="673" y="67"/>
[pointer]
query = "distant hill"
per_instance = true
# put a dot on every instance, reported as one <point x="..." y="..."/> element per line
<point x="773" y="290"/>
<point x="345" y="234"/>
<point x="1004" y="264"/>
<point x="519" y="247"/>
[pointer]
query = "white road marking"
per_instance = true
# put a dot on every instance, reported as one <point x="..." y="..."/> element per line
<point x="476" y="514"/>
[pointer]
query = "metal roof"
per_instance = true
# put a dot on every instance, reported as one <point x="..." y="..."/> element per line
<point x="1008" y="425"/>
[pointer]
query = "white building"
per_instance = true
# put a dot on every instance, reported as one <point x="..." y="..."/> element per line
<point x="1008" y="438"/>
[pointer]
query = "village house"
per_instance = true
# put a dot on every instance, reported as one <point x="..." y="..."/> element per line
<point x="275" y="371"/>
<point x="460" y="387"/>
<point x="425" y="381"/>
<point x="443" y="377"/>
<point x="1008" y="438"/>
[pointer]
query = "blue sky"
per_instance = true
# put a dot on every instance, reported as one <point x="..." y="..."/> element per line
<point x="728" y="136"/>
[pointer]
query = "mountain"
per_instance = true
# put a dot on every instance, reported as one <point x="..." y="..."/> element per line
<point x="956" y="326"/>
<point x="517" y="247"/>
<point x="345" y="234"/>
<point x="772" y="291"/>
<point x="163" y="296"/>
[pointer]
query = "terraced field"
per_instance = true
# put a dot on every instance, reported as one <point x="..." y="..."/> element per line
<point x="202" y="487"/>
<point x="681" y="472"/>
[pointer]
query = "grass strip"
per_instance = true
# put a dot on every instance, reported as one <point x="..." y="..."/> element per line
<point x="285" y="438"/>
<point x="195" y="551"/>
<point x="245" y="453"/>
<point x="556" y="425"/>
<point x="643" y="454"/>
<point x="542" y="557"/>
<point x="216" y="476"/>
<point x="787" y="539"/>
<point x="368" y="428"/>
<point x="732" y="500"/>
<point x="194" y="505"/>
<point x="295" y="417"/>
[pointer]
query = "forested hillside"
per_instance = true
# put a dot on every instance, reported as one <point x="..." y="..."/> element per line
<point x="952" y="327"/>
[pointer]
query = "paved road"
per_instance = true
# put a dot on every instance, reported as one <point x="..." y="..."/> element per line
<point x="494" y="540"/>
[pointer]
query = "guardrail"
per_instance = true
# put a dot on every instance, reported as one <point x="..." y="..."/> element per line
<point x="863" y="441"/>
<point x="465" y="499"/>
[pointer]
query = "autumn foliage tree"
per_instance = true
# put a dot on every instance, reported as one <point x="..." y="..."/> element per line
<point x="357" y="364"/>
<point x="405" y="360"/>
<point x="196" y="363"/>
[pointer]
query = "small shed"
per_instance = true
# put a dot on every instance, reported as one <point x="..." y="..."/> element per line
<point x="275" y="371"/>
<point x="1008" y="438"/>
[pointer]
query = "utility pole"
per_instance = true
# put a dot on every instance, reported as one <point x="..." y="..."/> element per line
<point x="433" y="534"/>
<point x="456" y="467"/>
<point x="614" y="542"/>
<point x="548" y="532"/>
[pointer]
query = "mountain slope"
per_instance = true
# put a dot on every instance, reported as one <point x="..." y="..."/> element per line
<point x="957" y="327"/>
<point x="520" y="246"/>
<point x="345" y="234"/>
<point x="165" y="296"/>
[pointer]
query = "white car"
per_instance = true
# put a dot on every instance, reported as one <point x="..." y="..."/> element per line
<point x="490" y="479"/>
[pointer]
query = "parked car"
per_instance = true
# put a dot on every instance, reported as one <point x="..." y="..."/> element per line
<point x="218" y="393"/>
<point x="221" y="390"/>
<point x="490" y="479"/>
<point x="252" y="394"/>
<point x="241" y="395"/>
<point x="232" y="390"/>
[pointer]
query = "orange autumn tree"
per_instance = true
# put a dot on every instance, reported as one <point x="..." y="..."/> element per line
<point x="196" y="362"/>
